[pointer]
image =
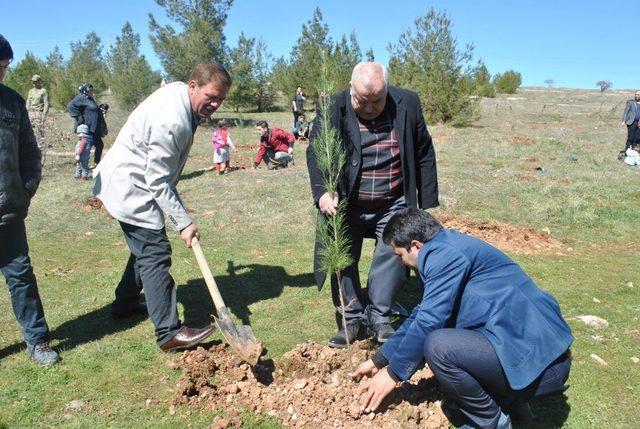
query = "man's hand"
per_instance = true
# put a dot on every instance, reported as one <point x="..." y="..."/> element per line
<point x="188" y="233"/>
<point x="290" y="151"/>
<point x="366" y="369"/>
<point x="328" y="203"/>
<point x="374" y="391"/>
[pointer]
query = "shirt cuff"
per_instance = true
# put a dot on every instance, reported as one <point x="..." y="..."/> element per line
<point x="393" y="375"/>
<point x="379" y="360"/>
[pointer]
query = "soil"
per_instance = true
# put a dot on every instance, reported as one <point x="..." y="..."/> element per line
<point x="504" y="236"/>
<point x="309" y="387"/>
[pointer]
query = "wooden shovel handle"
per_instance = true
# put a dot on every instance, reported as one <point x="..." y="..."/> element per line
<point x="206" y="272"/>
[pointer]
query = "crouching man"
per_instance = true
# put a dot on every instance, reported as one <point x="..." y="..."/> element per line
<point x="137" y="181"/>
<point x="490" y="336"/>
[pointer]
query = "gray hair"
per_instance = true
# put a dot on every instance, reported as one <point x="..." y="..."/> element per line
<point x="362" y="73"/>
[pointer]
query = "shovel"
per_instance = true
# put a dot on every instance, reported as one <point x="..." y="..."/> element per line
<point x="240" y="338"/>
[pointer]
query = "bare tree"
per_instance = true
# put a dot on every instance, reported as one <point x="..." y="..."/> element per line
<point x="604" y="85"/>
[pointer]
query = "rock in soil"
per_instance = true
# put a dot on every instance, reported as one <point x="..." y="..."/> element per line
<point x="308" y="387"/>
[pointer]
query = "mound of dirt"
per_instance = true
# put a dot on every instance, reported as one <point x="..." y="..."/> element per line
<point x="504" y="236"/>
<point x="310" y="387"/>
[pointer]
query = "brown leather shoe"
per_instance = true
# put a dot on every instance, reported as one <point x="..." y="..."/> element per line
<point x="186" y="337"/>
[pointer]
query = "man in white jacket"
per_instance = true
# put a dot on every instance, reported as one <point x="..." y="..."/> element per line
<point x="136" y="182"/>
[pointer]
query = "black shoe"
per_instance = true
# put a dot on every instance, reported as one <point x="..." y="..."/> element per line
<point x="120" y="312"/>
<point x="355" y="330"/>
<point x="382" y="331"/>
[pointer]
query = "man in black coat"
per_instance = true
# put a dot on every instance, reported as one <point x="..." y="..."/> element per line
<point x="390" y="165"/>
<point x="20" y="172"/>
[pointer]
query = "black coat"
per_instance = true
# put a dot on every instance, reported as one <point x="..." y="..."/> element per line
<point x="20" y="164"/>
<point x="84" y="110"/>
<point x="417" y="154"/>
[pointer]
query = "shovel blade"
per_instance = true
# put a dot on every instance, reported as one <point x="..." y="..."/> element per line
<point x="240" y="338"/>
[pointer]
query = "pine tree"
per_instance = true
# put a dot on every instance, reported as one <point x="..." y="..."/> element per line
<point x="19" y="76"/>
<point x="241" y="66"/>
<point x="427" y="60"/>
<point x="131" y="78"/>
<point x="201" y="39"/>
<point x="343" y="59"/>
<point x="86" y="63"/>
<point x="265" y="92"/>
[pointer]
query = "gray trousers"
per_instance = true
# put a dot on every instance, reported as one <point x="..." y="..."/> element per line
<point x="386" y="274"/>
<point x="148" y="269"/>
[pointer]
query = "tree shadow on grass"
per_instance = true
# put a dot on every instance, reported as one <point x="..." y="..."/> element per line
<point x="83" y="329"/>
<point x="242" y="286"/>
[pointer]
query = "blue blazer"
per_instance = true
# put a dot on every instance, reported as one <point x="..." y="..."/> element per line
<point x="469" y="284"/>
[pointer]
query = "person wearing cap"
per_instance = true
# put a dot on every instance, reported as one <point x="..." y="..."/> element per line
<point x="20" y="173"/>
<point x="136" y="181"/>
<point x="38" y="107"/>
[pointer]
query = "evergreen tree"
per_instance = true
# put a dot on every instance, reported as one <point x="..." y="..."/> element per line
<point x="427" y="60"/>
<point x="307" y="56"/>
<point x="508" y="82"/>
<point x="343" y="59"/>
<point x="201" y="39"/>
<point x="369" y="55"/>
<point x="241" y="67"/>
<point x="86" y="63"/>
<point x="131" y="78"/>
<point x="19" y="76"/>
<point x="62" y="87"/>
<point x="265" y="92"/>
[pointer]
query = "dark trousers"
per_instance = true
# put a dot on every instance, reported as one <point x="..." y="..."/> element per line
<point x="469" y="372"/>
<point x="15" y="265"/>
<point x="296" y="115"/>
<point x="386" y="274"/>
<point x="148" y="269"/>
<point x="98" y="145"/>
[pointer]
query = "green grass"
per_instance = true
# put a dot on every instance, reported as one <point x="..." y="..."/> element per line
<point x="258" y="236"/>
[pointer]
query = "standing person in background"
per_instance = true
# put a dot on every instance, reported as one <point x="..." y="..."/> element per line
<point x="97" y="138"/>
<point x="298" y="105"/>
<point x="390" y="165"/>
<point x="38" y="108"/>
<point x="20" y="173"/>
<point x="136" y="182"/>
<point x="631" y="118"/>
<point x="85" y="110"/>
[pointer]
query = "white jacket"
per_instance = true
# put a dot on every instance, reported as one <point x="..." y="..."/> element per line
<point x="137" y="178"/>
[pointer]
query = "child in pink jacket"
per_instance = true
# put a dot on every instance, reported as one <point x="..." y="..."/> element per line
<point x="222" y="143"/>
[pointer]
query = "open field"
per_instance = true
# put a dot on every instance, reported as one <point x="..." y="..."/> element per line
<point x="543" y="159"/>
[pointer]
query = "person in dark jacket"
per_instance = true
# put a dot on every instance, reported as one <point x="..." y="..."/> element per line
<point x="85" y="110"/>
<point x="631" y="118"/>
<point x="490" y="336"/>
<point x="390" y="165"/>
<point x="20" y="172"/>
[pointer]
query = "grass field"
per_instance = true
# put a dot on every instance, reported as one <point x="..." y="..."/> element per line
<point x="543" y="158"/>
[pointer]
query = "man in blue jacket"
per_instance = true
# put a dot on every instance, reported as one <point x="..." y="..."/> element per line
<point x="492" y="338"/>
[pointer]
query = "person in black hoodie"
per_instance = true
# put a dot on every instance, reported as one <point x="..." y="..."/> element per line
<point x="85" y="110"/>
<point x="20" y="172"/>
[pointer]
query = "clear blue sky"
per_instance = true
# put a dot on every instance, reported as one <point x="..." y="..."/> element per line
<point x="575" y="43"/>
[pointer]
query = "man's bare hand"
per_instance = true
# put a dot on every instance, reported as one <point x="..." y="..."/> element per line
<point x="328" y="203"/>
<point x="365" y="369"/>
<point x="188" y="233"/>
<point x="374" y="390"/>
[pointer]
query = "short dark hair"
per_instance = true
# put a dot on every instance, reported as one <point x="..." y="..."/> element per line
<point x="205" y="73"/>
<point x="6" y="53"/>
<point x="408" y="225"/>
<point x="262" y="124"/>
<point x="222" y="123"/>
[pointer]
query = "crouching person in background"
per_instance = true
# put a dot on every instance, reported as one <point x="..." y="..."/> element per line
<point x="20" y="172"/>
<point x="491" y="337"/>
